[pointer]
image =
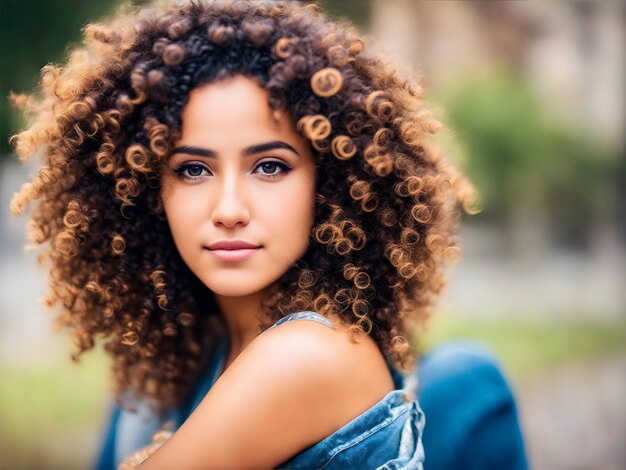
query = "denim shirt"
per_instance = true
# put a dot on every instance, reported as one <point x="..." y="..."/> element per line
<point x="387" y="436"/>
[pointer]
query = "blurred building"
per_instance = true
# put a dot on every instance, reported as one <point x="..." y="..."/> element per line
<point x="571" y="51"/>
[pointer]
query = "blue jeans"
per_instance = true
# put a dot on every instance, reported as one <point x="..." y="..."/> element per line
<point x="471" y="417"/>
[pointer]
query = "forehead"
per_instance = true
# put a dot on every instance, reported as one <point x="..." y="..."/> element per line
<point x="236" y="106"/>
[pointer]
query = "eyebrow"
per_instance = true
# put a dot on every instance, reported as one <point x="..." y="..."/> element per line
<point x="251" y="150"/>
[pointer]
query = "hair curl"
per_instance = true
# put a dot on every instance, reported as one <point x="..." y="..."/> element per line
<point x="386" y="212"/>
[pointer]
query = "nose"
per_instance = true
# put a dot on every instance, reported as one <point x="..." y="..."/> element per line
<point x="231" y="206"/>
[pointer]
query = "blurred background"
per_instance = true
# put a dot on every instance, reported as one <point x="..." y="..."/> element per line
<point x="533" y="96"/>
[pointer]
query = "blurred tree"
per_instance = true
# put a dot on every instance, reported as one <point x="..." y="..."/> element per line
<point x="357" y="11"/>
<point x="521" y="156"/>
<point x="34" y="33"/>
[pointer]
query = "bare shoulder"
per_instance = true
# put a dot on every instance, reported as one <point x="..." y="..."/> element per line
<point x="330" y="378"/>
<point x="319" y="357"/>
<point x="327" y="354"/>
<point x="298" y="383"/>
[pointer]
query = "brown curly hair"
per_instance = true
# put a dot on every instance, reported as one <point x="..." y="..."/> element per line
<point x="387" y="207"/>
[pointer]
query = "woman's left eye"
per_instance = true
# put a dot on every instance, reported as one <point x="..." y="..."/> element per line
<point x="273" y="169"/>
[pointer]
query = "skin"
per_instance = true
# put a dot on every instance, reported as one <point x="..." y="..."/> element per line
<point x="289" y="387"/>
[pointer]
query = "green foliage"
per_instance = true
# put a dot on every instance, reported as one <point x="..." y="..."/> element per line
<point x="357" y="11"/>
<point x="34" y="33"/>
<point x="518" y="152"/>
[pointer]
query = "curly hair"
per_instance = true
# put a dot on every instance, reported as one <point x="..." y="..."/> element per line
<point x="387" y="206"/>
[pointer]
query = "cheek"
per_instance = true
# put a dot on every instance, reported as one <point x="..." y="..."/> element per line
<point x="301" y="223"/>
<point x="180" y="212"/>
<point x="289" y="218"/>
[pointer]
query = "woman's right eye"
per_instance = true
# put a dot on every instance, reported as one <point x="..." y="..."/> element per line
<point x="190" y="171"/>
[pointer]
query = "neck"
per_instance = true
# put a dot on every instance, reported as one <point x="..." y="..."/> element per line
<point x="242" y="318"/>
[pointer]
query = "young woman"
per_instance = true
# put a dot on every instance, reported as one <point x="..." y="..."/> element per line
<point x="242" y="202"/>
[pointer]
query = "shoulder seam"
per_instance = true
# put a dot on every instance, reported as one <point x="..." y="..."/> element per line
<point x="304" y="315"/>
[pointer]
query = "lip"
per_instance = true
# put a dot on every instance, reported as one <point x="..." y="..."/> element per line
<point x="235" y="255"/>
<point x="232" y="245"/>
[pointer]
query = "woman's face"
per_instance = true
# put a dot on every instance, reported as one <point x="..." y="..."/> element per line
<point x="237" y="175"/>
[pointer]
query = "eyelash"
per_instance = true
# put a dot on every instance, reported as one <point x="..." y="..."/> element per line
<point x="180" y="171"/>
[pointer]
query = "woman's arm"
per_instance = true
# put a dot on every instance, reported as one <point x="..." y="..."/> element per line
<point x="290" y="388"/>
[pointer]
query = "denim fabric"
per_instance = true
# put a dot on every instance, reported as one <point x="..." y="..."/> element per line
<point x="471" y="411"/>
<point x="386" y="436"/>
<point x="304" y="315"/>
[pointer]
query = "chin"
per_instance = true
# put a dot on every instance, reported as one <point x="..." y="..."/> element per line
<point x="235" y="289"/>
